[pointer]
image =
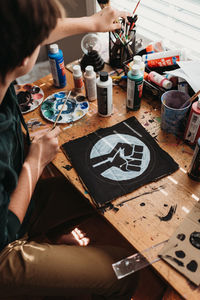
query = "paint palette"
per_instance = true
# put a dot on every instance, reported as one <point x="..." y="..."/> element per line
<point x="71" y="112"/>
<point x="29" y="97"/>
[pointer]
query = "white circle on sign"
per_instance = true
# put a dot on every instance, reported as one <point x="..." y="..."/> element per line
<point x="120" y="157"/>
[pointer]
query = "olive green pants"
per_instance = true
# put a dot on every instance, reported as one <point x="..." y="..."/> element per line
<point x="32" y="267"/>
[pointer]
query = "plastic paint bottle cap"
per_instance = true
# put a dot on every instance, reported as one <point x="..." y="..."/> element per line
<point x="103" y="76"/>
<point x="137" y="59"/>
<point x="89" y="70"/>
<point x="53" y="48"/>
<point x="135" y="70"/>
<point x="167" y="84"/>
<point x="77" y="70"/>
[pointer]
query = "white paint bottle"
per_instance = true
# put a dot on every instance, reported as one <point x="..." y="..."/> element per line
<point x="78" y="78"/>
<point x="104" y="94"/>
<point x="90" y="83"/>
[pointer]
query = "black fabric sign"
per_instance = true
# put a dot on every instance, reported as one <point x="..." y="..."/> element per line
<point x="117" y="160"/>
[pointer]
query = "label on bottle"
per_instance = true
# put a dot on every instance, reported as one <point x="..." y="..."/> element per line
<point x="193" y="128"/>
<point x="102" y="100"/>
<point x="54" y="72"/>
<point x="78" y="83"/>
<point x="134" y="93"/>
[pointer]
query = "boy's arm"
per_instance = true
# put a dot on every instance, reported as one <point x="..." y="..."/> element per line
<point x="42" y="151"/>
<point x="103" y="21"/>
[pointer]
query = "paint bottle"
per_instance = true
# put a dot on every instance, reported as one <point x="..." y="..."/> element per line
<point x="160" y="80"/>
<point x="104" y="94"/>
<point x="182" y="85"/>
<point x="192" y="132"/>
<point x="90" y="83"/>
<point x="57" y="65"/>
<point x="134" y="88"/>
<point x="194" y="169"/>
<point x="163" y="59"/>
<point x="78" y="78"/>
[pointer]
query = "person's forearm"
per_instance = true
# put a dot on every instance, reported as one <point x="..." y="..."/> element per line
<point x="70" y="26"/>
<point x="21" y="196"/>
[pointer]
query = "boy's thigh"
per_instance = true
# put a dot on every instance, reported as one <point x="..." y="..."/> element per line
<point x="60" y="270"/>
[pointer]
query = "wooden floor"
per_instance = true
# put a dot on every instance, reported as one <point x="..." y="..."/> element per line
<point x="150" y="287"/>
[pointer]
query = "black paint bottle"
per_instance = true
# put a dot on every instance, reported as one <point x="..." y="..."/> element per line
<point x="194" y="170"/>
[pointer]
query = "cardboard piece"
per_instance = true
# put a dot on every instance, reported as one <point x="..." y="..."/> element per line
<point x="182" y="251"/>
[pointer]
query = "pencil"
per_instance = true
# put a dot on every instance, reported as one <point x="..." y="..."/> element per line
<point x="54" y="125"/>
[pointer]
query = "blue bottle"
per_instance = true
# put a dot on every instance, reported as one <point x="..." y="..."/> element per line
<point x="56" y="60"/>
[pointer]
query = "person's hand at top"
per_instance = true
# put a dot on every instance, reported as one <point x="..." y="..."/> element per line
<point x="107" y="19"/>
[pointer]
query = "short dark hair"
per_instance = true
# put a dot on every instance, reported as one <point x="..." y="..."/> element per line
<point x="24" y="24"/>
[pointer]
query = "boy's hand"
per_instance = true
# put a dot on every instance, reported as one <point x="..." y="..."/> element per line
<point x="107" y="19"/>
<point x="44" y="147"/>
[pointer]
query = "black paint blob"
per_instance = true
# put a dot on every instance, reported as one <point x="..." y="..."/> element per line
<point x="181" y="236"/>
<point x="180" y="254"/>
<point x="165" y="205"/>
<point x="192" y="266"/>
<point x="195" y="239"/>
<point x="170" y="214"/>
<point x="67" y="167"/>
<point x="142" y="204"/>
<point x="199" y="220"/>
<point x="177" y="261"/>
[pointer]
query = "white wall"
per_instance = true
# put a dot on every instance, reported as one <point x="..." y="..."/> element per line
<point x="71" y="46"/>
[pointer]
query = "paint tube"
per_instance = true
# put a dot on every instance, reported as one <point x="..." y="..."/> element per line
<point x="194" y="169"/>
<point x="160" y="80"/>
<point x="192" y="132"/>
<point x="163" y="59"/>
<point x="171" y="78"/>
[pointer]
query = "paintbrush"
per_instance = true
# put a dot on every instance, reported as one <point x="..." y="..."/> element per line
<point x="103" y="3"/>
<point x="185" y="104"/>
<point x="54" y="125"/>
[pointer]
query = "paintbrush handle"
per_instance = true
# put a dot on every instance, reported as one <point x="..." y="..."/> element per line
<point x="194" y="96"/>
<point x="54" y="125"/>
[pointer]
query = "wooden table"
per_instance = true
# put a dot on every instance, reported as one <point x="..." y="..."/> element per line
<point x="138" y="223"/>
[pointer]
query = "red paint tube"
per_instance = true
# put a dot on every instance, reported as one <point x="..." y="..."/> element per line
<point x="160" y="80"/>
<point x="192" y="132"/>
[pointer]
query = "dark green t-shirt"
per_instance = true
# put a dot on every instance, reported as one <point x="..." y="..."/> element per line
<point x="11" y="160"/>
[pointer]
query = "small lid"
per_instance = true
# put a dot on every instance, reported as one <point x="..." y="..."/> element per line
<point x="135" y="70"/>
<point x="77" y="70"/>
<point x="137" y="59"/>
<point x="53" y="48"/>
<point x="167" y="84"/>
<point x="89" y="70"/>
<point x="103" y="76"/>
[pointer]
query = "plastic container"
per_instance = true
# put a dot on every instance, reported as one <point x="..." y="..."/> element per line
<point x="160" y="80"/>
<point x="78" y="78"/>
<point x="134" y="88"/>
<point x="104" y="94"/>
<point x="172" y="116"/>
<point x="90" y="83"/>
<point x="57" y="65"/>
<point x="192" y="132"/>
<point x="163" y="59"/>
